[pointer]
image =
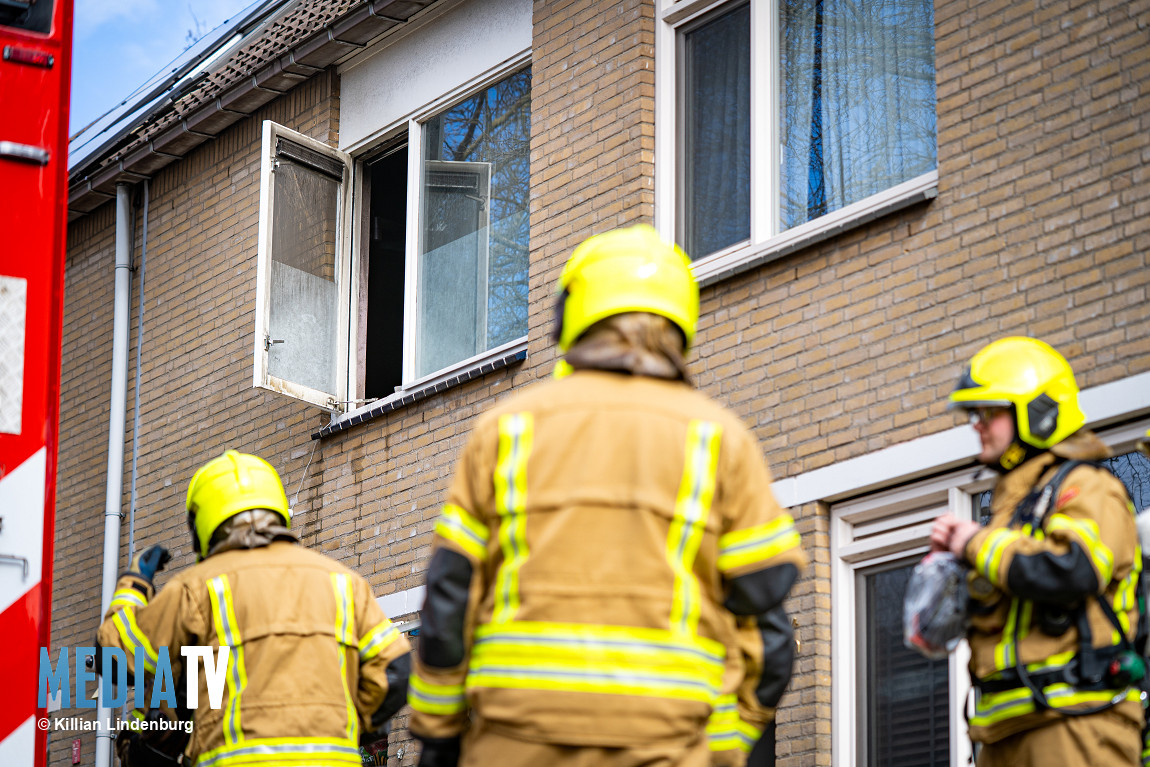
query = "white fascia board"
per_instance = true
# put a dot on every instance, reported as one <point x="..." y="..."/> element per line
<point x="402" y="602"/>
<point x="953" y="448"/>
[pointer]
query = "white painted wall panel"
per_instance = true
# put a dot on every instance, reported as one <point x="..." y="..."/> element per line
<point x="379" y="90"/>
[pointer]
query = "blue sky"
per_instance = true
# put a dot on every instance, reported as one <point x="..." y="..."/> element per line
<point x="117" y="45"/>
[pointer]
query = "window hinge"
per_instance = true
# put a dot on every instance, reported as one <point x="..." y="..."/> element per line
<point x="268" y="341"/>
<point x="332" y="401"/>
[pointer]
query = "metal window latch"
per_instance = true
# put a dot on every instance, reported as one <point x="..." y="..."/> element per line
<point x="268" y="341"/>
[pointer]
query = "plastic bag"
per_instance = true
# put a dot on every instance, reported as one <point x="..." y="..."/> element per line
<point x="936" y="610"/>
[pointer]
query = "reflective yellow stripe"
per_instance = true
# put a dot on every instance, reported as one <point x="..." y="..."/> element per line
<point x="988" y="561"/>
<point x="132" y="637"/>
<point x="345" y="635"/>
<point x="377" y="640"/>
<point x="227" y="630"/>
<point x="290" y="752"/>
<point x="1004" y="648"/>
<point x="726" y="731"/>
<point x="431" y="698"/>
<point x="617" y="660"/>
<point x="757" y="544"/>
<point x="1087" y="531"/>
<point x="992" y="708"/>
<point x="693" y="504"/>
<point x="457" y="525"/>
<point x="1125" y="599"/>
<point x="516" y="431"/>
<point x="128" y="597"/>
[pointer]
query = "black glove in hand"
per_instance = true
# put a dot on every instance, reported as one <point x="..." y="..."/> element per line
<point x="439" y="752"/>
<point x="149" y="562"/>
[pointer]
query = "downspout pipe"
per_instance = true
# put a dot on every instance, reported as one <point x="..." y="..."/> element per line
<point x="113" y="498"/>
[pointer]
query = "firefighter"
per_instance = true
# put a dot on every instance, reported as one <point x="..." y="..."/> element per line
<point x="1054" y="574"/>
<point x="314" y="663"/>
<point x="607" y="576"/>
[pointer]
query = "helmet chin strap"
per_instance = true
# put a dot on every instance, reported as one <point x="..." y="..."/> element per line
<point x="195" y="538"/>
<point x="1017" y="453"/>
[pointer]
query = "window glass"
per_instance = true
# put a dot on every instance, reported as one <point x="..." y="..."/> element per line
<point x="304" y="298"/>
<point x="1134" y="471"/>
<point x="906" y="697"/>
<point x="856" y="101"/>
<point x="474" y="226"/>
<point x="716" y="174"/>
<point x="28" y="15"/>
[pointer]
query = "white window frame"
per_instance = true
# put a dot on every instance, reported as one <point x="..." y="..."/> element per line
<point x="261" y="378"/>
<point x="411" y="127"/>
<point x="886" y="495"/>
<point x="763" y="246"/>
<point x="879" y="529"/>
<point x="348" y="250"/>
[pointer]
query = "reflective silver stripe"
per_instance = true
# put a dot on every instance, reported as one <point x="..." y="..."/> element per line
<point x="344" y="622"/>
<point x="692" y="506"/>
<point x="229" y="633"/>
<point x="378" y="639"/>
<point x="223" y="757"/>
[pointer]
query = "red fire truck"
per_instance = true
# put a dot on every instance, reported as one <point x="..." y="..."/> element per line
<point x="36" y="39"/>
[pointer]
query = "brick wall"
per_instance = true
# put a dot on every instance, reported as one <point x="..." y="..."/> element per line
<point x="1039" y="228"/>
<point x="195" y="387"/>
<point x="592" y="136"/>
<point x="829" y="353"/>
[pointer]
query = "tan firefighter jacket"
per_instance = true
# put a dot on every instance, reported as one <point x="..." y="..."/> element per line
<point x="310" y="651"/>
<point x="1034" y="583"/>
<point x="582" y="566"/>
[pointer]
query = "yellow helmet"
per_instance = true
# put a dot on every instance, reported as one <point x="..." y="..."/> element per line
<point x="1034" y="379"/>
<point x="227" y="485"/>
<point x="627" y="270"/>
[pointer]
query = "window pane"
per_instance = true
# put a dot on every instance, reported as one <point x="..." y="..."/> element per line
<point x="857" y="101"/>
<point x="906" y="697"/>
<point x="1134" y="471"/>
<point x="28" y="15"/>
<point x="716" y="172"/>
<point x="304" y="296"/>
<point x="473" y="261"/>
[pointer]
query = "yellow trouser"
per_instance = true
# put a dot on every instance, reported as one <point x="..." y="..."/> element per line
<point x="484" y="748"/>
<point x="1106" y="738"/>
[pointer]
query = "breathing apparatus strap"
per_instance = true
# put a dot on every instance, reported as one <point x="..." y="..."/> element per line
<point x="1092" y="664"/>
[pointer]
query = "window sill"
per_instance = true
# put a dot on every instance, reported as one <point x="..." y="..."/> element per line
<point x="746" y="256"/>
<point x="496" y="359"/>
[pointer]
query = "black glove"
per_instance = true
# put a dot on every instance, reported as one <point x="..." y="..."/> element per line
<point x="149" y="562"/>
<point x="439" y="752"/>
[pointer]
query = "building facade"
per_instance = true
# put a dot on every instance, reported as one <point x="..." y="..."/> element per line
<point x="345" y="238"/>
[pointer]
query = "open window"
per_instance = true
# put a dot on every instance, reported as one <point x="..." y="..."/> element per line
<point x="433" y="279"/>
<point x="302" y="270"/>
<point x="443" y="266"/>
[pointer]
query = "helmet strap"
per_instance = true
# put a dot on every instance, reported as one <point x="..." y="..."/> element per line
<point x="557" y="321"/>
<point x="1018" y="452"/>
<point x="195" y="538"/>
